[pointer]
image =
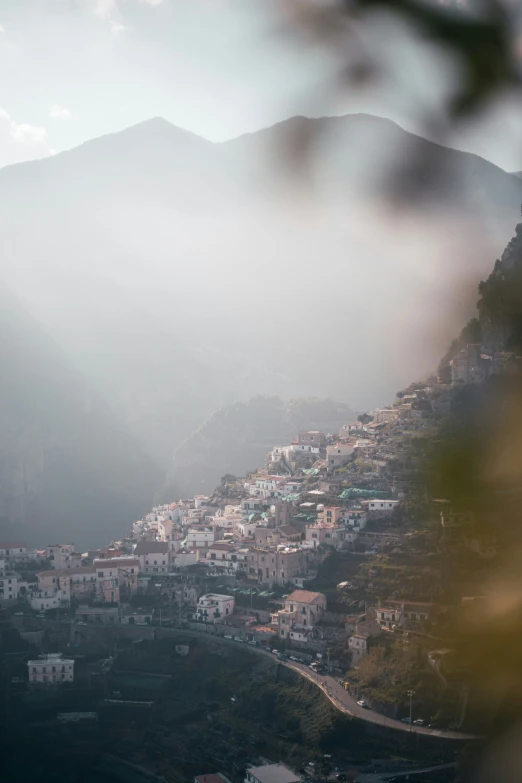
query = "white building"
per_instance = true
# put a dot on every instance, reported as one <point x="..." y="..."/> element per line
<point x="380" y="507"/>
<point x="168" y="530"/>
<point x="358" y="646"/>
<point x="41" y="600"/>
<point x="213" y="606"/>
<point x="271" y="773"/>
<point x="12" y="551"/>
<point x="302" y="610"/>
<point x="9" y="586"/>
<point x="51" y="669"/>
<point x="199" y="538"/>
<point x="354" y="518"/>
<point x="184" y="558"/>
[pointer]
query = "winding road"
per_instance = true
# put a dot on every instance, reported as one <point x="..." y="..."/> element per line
<point x="331" y="688"/>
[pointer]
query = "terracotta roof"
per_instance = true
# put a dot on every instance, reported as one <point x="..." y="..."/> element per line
<point x="151" y="547"/>
<point x="305" y="597"/>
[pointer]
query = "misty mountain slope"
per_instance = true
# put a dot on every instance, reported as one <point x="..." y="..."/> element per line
<point x="361" y="154"/>
<point x="237" y="438"/>
<point x="68" y="470"/>
<point x="179" y="275"/>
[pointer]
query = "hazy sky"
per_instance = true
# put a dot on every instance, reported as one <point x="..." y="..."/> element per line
<point x="76" y="69"/>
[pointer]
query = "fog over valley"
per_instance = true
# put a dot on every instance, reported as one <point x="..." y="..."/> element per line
<point x="176" y="276"/>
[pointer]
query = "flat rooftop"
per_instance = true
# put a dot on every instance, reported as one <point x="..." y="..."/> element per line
<point x="273" y="773"/>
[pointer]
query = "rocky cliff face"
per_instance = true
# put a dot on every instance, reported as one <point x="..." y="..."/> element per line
<point x="500" y="304"/>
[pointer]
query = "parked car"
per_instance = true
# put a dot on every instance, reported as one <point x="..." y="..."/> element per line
<point x="227" y="636"/>
<point x="362" y="703"/>
<point x="293" y="658"/>
<point x="405" y="720"/>
<point x="253" y="643"/>
<point x="238" y="639"/>
<point x="419" y="722"/>
<point x="276" y="652"/>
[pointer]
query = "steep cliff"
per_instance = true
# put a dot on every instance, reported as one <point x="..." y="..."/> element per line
<point x="500" y="304"/>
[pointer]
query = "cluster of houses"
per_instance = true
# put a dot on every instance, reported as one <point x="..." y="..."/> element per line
<point x="270" y="530"/>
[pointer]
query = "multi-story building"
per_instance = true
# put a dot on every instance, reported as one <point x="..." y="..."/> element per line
<point x="321" y="534"/>
<point x="14" y="552"/>
<point x="269" y="487"/>
<point x="169" y="530"/>
<point x="311" y="438"/>
<point x="63" y="556"/>
<point x="278" y="565"/>
<point x="116" y="574"/>
<point x="213" y="607"/>
<point x="354" y="517"/>
<point x="303" y="609"/>
<point x="200" y="537"/>
<point x="358" y="646"/>
<point x="51" y="669"/>
<point x="154" y="556"/>
<point x="380" y="508"/>
<point x="389" y="616"/>
<point x="54" y="590"/>
<point x="329" y="515"/>
<point x="9" y="588"/>
<point x="413" y="614"/>
<point x="339" y="454"/>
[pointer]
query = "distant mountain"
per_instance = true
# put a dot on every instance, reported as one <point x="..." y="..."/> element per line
<point x="179" y="276"/>
<point x="69" y="471"/>
<point x="237" y="438"/>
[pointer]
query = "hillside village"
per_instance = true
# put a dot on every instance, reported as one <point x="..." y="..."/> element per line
<point x="329" y="552"/>
<point x="352" y="565"/>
